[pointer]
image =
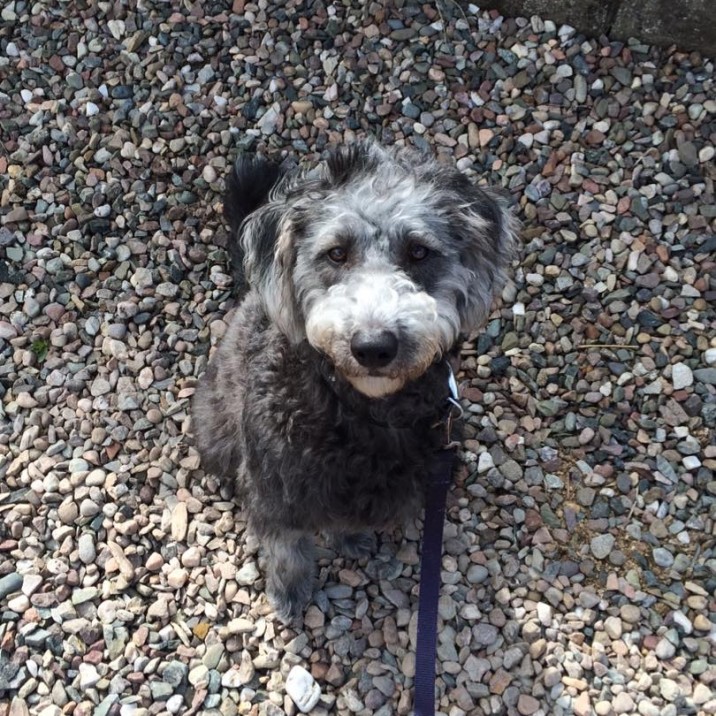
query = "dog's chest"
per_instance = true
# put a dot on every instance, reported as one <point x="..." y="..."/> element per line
<point x="324" y="463"/>
<point x="359" y="477"/>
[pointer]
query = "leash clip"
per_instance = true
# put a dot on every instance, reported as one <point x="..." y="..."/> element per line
<point x="455" y="410"/>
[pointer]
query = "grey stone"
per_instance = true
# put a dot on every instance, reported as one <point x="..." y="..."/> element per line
<point x="705" y="375"/>
<point x="10" y="583"/>
<point x="663" y="557"/>
<point x="175" y="673"/>
<point x="602" y="545"/>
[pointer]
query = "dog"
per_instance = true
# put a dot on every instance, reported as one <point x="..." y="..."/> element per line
<point x="321" y="402"/>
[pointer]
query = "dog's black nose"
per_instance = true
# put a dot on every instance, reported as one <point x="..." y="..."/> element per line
<point x="374" y="350"/>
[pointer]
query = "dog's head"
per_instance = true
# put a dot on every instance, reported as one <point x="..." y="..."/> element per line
<point x="380" y="259"/>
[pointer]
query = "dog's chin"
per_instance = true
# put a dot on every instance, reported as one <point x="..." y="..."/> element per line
<point x="375" y="386"/>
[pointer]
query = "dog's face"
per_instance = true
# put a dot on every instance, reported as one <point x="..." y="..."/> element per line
<point x="380" y="260"/>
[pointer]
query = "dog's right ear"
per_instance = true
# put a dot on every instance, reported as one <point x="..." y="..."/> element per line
<point x="267" y="239"/>
<point x="262" y="247"/>
<point x="248" y="188"/>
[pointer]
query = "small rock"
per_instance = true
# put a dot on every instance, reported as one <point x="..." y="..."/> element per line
<point x="18" y="707"/>
<point x="669" y="689"/>
<point x="18" y="604"/>
<point x="179" y="521"/>
<point x="665" y="649"/>
<point x="213" y="654"/>
<point x="302" y="689"/>
<point x="582" y="705"/>
<point x="154" y="562"/>
<point x="198" y="675"/>
<point x="88" y="676"/>
<point x="174" y="673"/>
<point x="613" y="627"/>
<point x="484" y="634"/>
<point x="623" y="703"/>
<point x="681" y="376"/>
<point x="602" y="545"/>
<point x="248" y="574"/>
<point x="663" y="557"/>
<point x="702" y="694"/>
<point x="476" y="574"/>
<point x="682" y="622"/>
<point x="86" y="549"/>
<point x="527" y="705"/>
<point x="10" y="583"/>
<point x="485" y="462"/>
<point x="174" y="704"/>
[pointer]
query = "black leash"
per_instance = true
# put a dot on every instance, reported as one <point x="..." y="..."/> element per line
<point x="439" y="480"/>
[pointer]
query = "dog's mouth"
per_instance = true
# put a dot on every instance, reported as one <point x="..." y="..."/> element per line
<point x="376" y="386"/>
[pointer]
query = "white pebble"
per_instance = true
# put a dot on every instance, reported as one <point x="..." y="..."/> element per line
<point x="117" y="28"/>
<point x="544" y="613"/>
<point x="534" y="279"/>
<point x="302" y="688"/>
<point x="174" y="703"/>
<point x="141" y="278"/>
<point x="18" y="604"/>
<point x="485" y="462"/>
<point x="86" y="549"/>
<point x="706" y="154"/>
<point x="527" y="140"/>
<point x="88" y="676"/>
<point x="248" y="574"/>
<point x="681" y="376"/>
<point x="682" y="621"/>
<point x="191" y="558"/>
<point x="613" y="627"/>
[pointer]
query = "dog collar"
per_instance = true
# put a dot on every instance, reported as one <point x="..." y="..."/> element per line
<point x="372" y="409"/>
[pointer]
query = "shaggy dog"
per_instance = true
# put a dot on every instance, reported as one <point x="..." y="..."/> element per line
<point x="321" y="402"/>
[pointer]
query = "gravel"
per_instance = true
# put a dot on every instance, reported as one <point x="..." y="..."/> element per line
<point x="580" y="564"/>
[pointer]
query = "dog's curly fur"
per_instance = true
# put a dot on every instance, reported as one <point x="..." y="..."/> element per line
<point x="322" y="398"/>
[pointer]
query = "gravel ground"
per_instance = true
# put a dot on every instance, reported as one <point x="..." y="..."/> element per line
<point x="580" y="561"/>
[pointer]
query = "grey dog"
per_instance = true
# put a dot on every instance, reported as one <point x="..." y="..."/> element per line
<point x="322" y="400"/>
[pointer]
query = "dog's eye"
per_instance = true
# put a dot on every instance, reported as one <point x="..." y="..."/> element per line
<point x="338" y="255"/>
<point x="418" y="252"/>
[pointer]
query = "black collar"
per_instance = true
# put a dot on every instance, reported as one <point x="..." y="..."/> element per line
<point x="427" y="399"/>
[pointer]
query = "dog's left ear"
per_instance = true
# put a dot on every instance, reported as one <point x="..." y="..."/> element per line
<point x="486" y="232"/>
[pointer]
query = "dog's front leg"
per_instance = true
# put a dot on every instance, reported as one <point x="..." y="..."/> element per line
<point x="290" y="567"/>
<point x="352" y="545"/>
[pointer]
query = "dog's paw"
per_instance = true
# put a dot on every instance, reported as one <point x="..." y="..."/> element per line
<point x="289" y="603"/>
<point x="353" y="545"/>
